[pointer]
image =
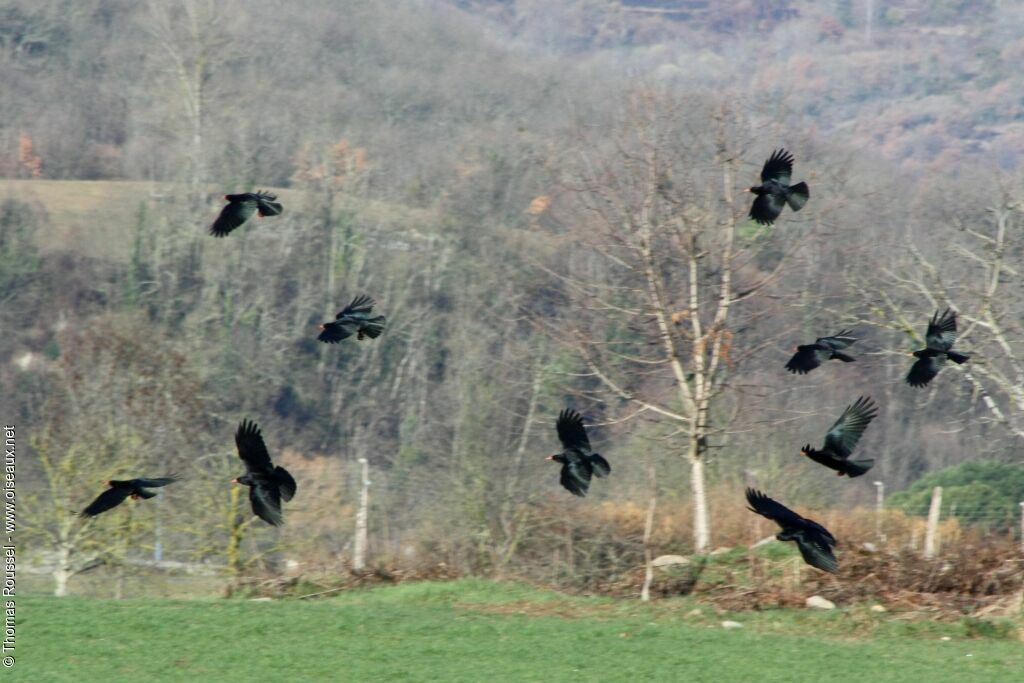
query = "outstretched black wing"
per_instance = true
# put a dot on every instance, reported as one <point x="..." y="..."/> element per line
<point x="575" y="477"/>
<point x="361" y="304"/>
<point x="154" y="483"/>
<point x="775" y="511"/>
<point x="238" y="211"/>
<point x="766" y="208"/>
<point x="924" y="370"/>
<point x="266" y="503"/>
<point x="337" y="331"/>
<point x="779" y="168"/>
<point x="571" y="432"/>
<point x="107" y="500"/>
<point x="941" y="331"/>
<point x="252" y="450"/>
<point x="816" y="550"/>
<point x="837" y="341"/>
<point x="804" y="360"/>
<point x="845" y="433"/>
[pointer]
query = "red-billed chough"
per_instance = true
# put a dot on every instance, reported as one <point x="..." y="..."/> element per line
<point x="241" y="207"/>
<point x="775" y="192"/>
<point x="577" y="460"/>
<point x="268" y="484"/>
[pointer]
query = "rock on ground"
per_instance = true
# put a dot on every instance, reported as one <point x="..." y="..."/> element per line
<point x="818" y="602"/>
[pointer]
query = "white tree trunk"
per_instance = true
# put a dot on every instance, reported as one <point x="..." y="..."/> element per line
<point x="645" y="592"/>
<point x="359" y="552"/>
<point x="60" y="582"/>
<point x="62" y="572"/>
<point x="701" y="522"/>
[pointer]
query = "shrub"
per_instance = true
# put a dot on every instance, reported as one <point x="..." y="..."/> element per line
<point x="981" y="493"/>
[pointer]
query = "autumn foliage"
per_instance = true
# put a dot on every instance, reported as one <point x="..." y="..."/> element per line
<point x="30" y="165"/>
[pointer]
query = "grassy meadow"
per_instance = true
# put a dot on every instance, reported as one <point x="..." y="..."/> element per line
<point x="98" y="218"/>
<point x="475" y="630"/>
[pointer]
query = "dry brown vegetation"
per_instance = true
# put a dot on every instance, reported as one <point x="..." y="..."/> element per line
<point x="975" y="574"/>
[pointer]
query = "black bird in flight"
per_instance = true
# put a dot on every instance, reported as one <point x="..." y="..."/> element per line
<point x="938" y="344"/>
<point x="578" y="463"/>
<point x="119" y="490"/>
<point x="810" y="356"/>
<point x="814" y="541"/>
<point x="241" y="207"/>
<point x="842" y="438"/>
<point x="353" y="319"/>
<point x="774" y="192"/>
<point x="268" y="484"/>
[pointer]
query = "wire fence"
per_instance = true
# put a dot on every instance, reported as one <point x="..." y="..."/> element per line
<point x="420" y="518"/>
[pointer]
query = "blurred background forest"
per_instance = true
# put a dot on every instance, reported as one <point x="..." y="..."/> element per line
<point x="498" y="175"/>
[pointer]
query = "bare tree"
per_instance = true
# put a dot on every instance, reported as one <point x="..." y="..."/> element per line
<point x="77" y="545"/>
<point x="664" y="286"/>
<point x="190" y="36"/>
<point x="120" y="407"/>
<point x="974" y="272"/>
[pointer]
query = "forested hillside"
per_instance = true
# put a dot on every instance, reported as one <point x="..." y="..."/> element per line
<point x="928" y="83"/>
<point x="545" y="200"/>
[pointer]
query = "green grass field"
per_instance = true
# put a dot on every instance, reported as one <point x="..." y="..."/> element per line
<point x="482" y="631"/>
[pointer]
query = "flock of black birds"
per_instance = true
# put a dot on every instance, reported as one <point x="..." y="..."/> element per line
<point x="269" y="485"/>
<point x="814" y="541"/>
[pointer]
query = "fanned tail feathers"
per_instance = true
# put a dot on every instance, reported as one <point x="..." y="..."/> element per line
<point x="855" y="468"/>
<point x="599" y="465"/>
<point x="372" y="328"/>
<point x="798" y="196"/>
<point x="958" y="358"/>
<point x="285" y="482"/>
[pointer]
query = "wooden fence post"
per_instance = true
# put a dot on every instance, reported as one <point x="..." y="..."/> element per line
<point x="1022" y="526"/>
<point x="931" y="535"/>
<point x="879" y="507"/>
